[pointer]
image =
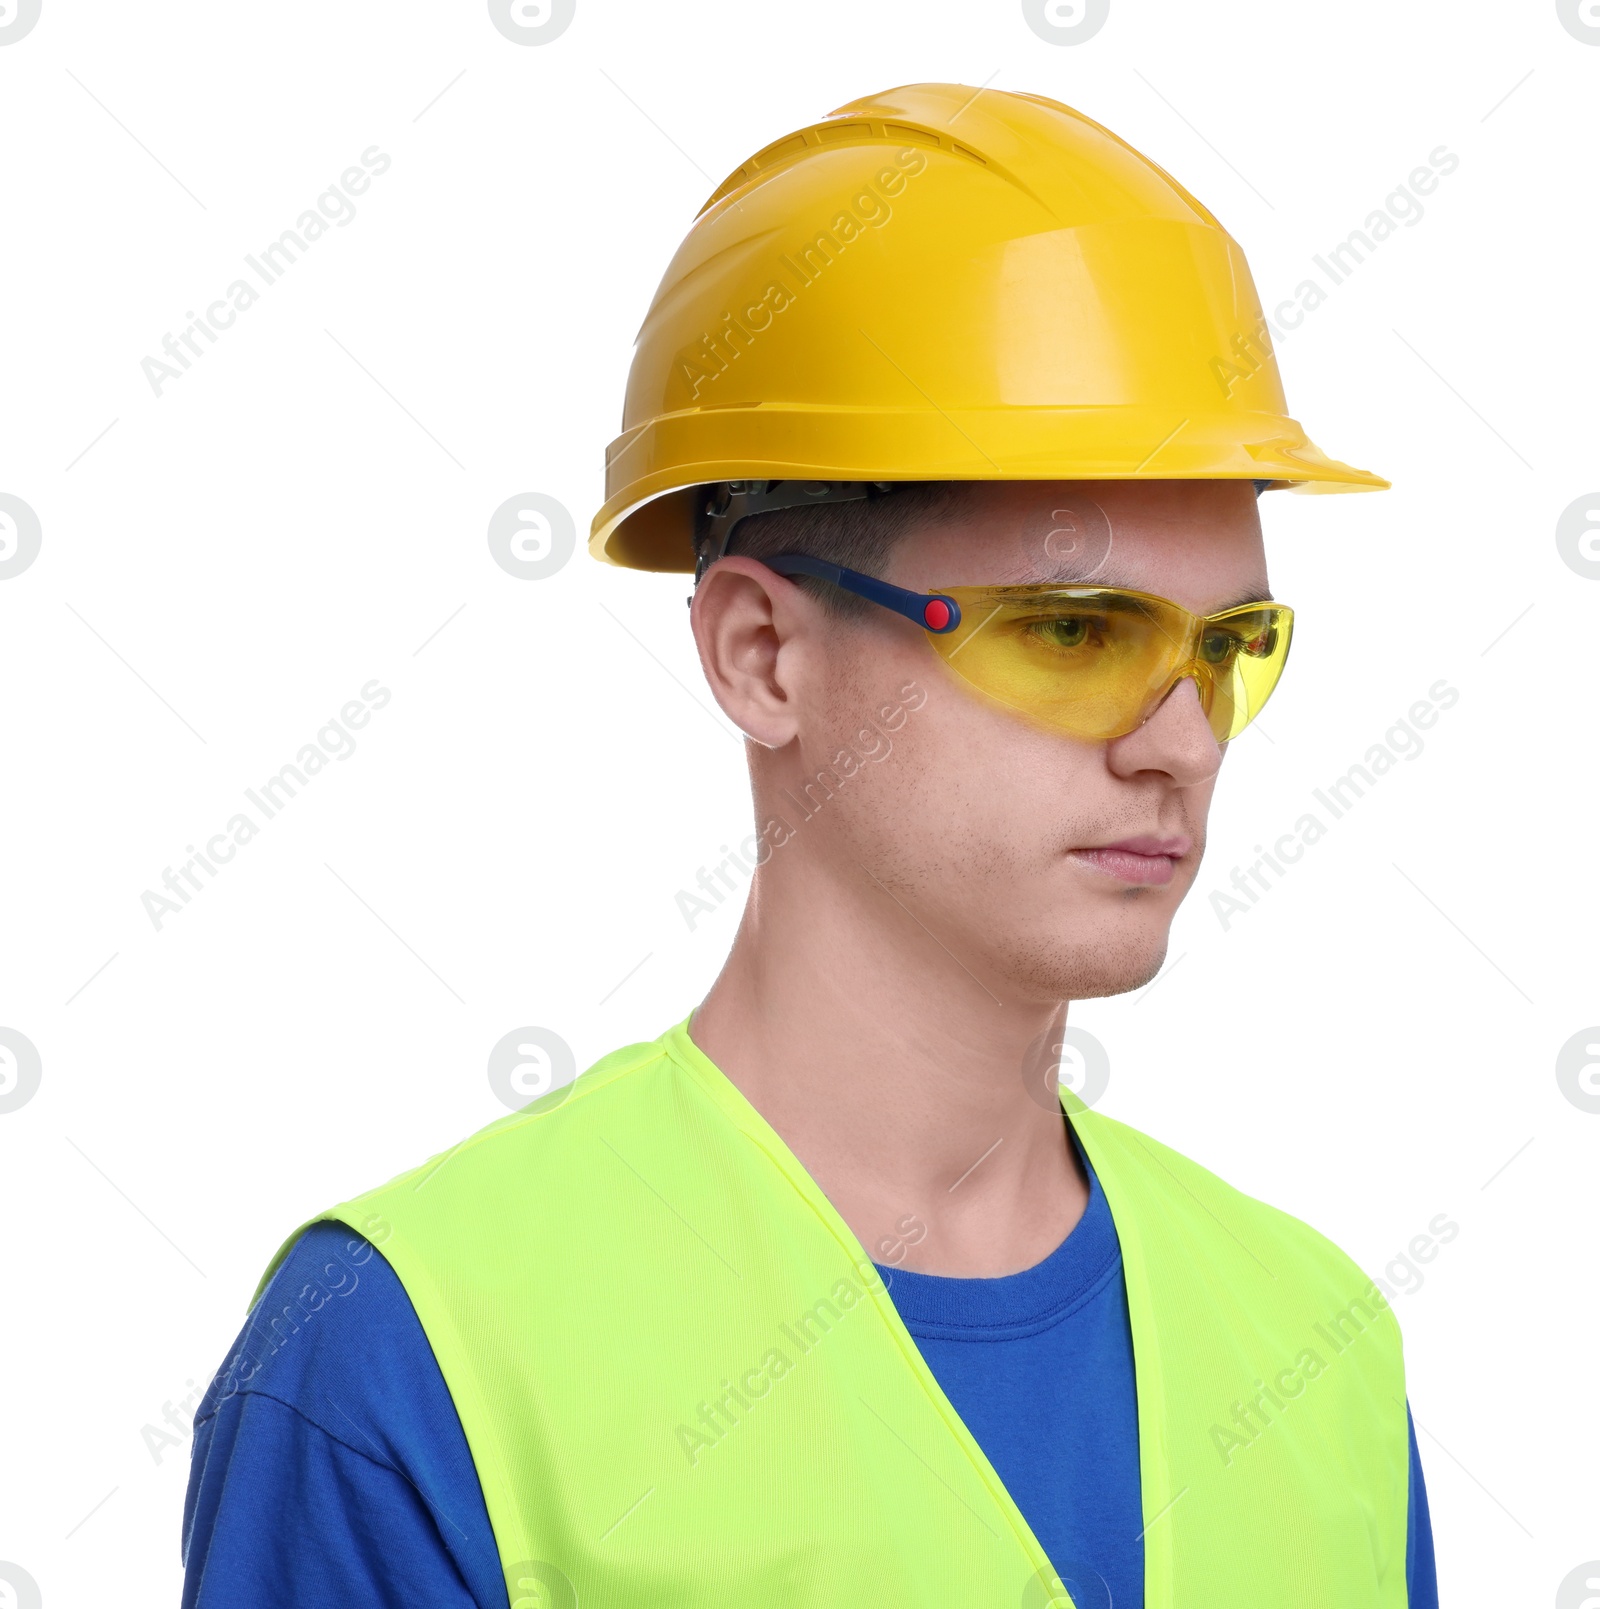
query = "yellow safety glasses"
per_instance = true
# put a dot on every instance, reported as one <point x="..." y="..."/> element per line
<point x="1093" y="662"/>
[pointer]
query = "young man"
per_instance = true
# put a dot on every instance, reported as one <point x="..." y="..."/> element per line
<point x="959" y="409"/>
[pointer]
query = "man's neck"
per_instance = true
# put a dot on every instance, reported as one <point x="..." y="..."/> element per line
<point x="897" y="1073"/>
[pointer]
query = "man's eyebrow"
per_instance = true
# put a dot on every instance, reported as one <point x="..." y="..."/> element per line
<point x="1253" y="595"/>
<point x="1037" y="575"/>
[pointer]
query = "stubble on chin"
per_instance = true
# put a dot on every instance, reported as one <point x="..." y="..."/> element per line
<point x="1055" y="968"/>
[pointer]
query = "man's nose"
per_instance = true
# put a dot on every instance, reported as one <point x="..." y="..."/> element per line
<point x="1176" y="738"/>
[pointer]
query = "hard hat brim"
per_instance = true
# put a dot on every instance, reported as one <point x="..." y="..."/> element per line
<point x="648" y="524"/>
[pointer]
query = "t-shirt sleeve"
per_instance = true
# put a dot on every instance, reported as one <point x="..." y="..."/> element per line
<point x="329" y="1468"/>
<point x="1421" y="1583"/>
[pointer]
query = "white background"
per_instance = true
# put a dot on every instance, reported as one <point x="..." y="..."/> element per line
<point x="225" y="565"/>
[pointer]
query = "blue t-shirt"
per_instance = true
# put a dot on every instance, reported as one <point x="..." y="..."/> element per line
<point x="330" y="1470"/>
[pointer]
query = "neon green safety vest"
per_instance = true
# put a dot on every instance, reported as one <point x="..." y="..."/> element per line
<point x="683" y="1382"/>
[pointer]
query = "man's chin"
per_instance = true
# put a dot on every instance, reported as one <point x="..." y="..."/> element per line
<point x="1116" y="964"/>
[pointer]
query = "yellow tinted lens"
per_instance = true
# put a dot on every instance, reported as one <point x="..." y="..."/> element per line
<point x="1095" y="662"/>
<point x="1241" y="655"/>
<point x="1083" y="660"/>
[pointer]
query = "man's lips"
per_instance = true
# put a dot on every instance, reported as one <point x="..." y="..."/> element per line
<point x="1146" y="860"/>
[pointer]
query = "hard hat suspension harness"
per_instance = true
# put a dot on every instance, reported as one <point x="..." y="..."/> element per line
<point x="727" y="502"/>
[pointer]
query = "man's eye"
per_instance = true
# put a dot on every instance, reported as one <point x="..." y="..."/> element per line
<point x="1218" y="647"/>
<point x="1065" y="631"/>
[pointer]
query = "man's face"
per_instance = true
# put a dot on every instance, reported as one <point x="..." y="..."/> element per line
<point x="984" y="826"/>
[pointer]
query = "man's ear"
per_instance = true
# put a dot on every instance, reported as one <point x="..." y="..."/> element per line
<point x="758" y="635"/>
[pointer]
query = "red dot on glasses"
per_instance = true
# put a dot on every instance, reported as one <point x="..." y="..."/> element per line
<point x="936" y="614"/>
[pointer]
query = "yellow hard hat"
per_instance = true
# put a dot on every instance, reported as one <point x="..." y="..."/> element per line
<point x="942" y="283"/>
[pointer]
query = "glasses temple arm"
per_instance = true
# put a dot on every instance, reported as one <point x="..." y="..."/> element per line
<point x="932" y="611"/>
